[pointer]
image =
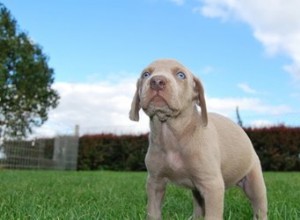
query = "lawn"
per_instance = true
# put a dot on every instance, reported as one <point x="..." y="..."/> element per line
<point x="121" y="195"/>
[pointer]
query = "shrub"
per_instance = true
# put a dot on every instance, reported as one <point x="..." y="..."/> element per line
<point x="277" y="147"/>
<point x="108" y="151"/>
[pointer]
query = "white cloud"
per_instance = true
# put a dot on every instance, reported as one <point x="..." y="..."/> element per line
<point x="246" y="88"/>
<point x="261" y="123"/>
<point x="104" y="107"/>
<point x="275" y="23"/>
<point x="208" y="69"/>
<point x="227" y="106"/>
<point x="96" y="108"/>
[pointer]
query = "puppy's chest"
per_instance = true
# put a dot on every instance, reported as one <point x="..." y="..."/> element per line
<point x="176" y="169"/>
<point x="171" y="154"/>
<point x="168" y="154"/>
<point x="173" y="162"/>
<point x="170" y="164"/>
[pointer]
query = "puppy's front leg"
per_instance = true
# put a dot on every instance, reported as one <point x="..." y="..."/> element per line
<point x="213" y="193"/>
<point x="155" y="190"/>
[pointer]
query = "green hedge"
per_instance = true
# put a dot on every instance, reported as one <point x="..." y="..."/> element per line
<point x="277" y="147"/>
<point x="112" y="152"/>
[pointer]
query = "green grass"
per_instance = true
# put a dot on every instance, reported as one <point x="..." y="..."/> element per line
<point x="121" y="195"/>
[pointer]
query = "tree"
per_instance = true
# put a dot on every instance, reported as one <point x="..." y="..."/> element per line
<point x="26" y="95"/>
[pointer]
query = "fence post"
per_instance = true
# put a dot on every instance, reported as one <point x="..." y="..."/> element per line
<point x="66" y="151"/>
<point x="76" y="133"/>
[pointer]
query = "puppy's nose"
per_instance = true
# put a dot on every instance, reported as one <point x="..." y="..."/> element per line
<point x="158" y="83"/>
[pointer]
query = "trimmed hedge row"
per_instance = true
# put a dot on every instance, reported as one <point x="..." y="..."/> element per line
<point x="277" y="147"/>
<point x="112" y="152"/>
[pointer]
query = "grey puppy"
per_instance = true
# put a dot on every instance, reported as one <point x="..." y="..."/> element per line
<point x="204" y="152"/>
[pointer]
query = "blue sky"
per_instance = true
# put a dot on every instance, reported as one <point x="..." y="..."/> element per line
<point x="247" y="55"/>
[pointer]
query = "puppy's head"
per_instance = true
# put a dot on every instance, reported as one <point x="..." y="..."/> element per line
<point x="165" y="89"/>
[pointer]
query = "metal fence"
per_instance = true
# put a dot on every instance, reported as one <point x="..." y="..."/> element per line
<point x="48" y="153"/>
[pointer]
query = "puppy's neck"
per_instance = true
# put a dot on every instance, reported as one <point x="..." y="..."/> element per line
<point x="179" y="128"/>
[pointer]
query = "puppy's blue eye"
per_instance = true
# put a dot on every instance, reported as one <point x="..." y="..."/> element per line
<point x="146" y="75"/>
<point x="181" y="75"/>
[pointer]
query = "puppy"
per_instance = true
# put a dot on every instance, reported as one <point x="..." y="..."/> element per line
<point x="202" y="151"/>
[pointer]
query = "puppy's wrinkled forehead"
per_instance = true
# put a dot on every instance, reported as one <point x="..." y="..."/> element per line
<point x="165" y="66"/>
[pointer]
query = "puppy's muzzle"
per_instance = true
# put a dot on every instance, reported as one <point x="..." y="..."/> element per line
<point x="158" y="83"/>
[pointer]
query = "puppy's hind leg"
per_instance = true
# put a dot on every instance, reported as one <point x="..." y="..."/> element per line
<point x="199" y="207"/>
<point x="254" y="187"/>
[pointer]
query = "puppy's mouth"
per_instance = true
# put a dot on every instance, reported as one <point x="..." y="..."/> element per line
<point x="160" y="107"/>
<point x="158" y="101"/>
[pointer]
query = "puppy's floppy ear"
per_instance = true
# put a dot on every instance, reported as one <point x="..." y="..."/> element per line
<point x="135" y="104"/>
<point x="201" y="100"/>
